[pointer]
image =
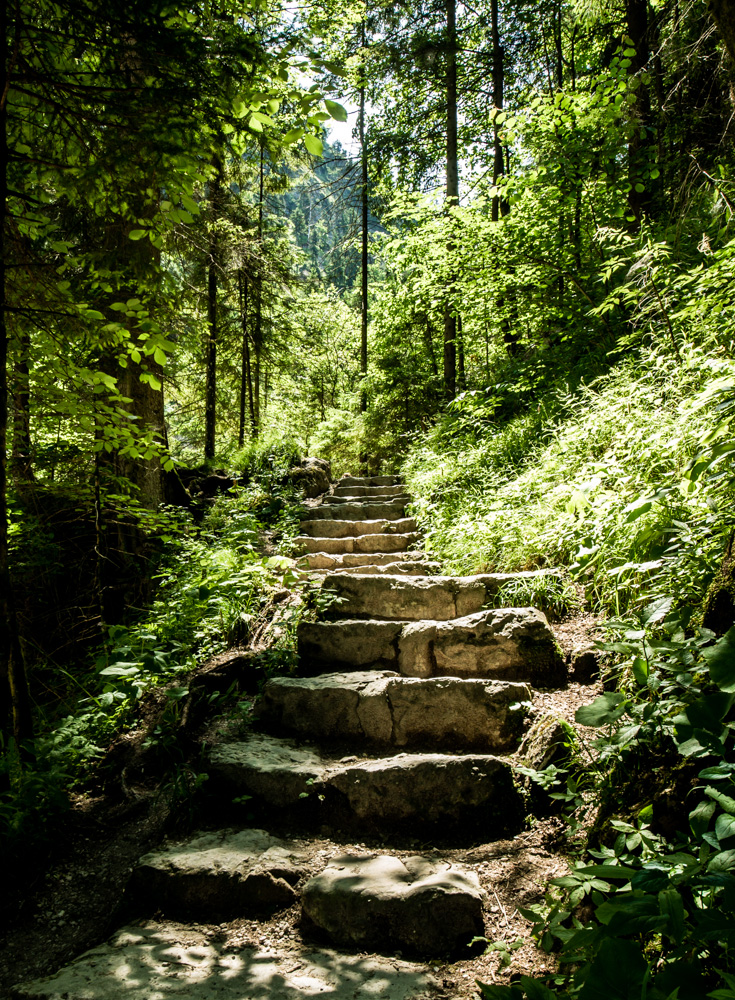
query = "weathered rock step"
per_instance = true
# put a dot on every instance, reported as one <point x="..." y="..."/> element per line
<point x="380" y="542"/>
<point x="368" y="491"/>
<point x="162" y="960"/>
<point x="373" y="901"/>
<point x="367" y="481"/>
<point x="456" y="795"/>
<point x="502" y="643"/>
<point x="405" y="568"/>
<point x="367" y="494"/>
<point x="423" y="905"/>
<point x="434" y="597"/>
<point x="382" y="708"/>
<point x="356" y="512"/>
<point x="326" y="560"/>
<point x="325" y="528"/>
<point x="220" y="875"/>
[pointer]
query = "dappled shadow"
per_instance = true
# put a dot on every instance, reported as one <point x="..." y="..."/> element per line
<point x="168" y="960"/>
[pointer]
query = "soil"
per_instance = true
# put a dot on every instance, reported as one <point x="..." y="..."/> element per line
<point x="74" y="898"/>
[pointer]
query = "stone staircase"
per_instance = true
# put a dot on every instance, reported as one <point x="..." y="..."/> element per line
<point x="411" y="696"/>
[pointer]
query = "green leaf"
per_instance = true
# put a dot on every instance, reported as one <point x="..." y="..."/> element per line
<point x="721" y="660"/>
<point x="606" y="708"/>
<point x="293" y="136"/>
<point x="137" y="234"/>
<point x="264" y="119"/>
<point x="336" y="111"/>
<point x="672" y="906"/>
<point x="640" y="671"/>
<point x="725" y="827"/>
<point x="313" y="145"/>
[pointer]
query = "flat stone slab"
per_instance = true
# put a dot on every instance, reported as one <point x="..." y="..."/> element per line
<point x="424" y="905"/>
<point x="338" y="561"/>
<point x="505" y="643"/>
<point x="449" y="793"/>
<point x="160" y="961"/>
<point x="446" y="793"/>
<point x="357" y="511"/>
<point x="369" y="491"/>
<point x="404" y="568"/>
<point x="326" y="528"/>
<point x="351" y="643"/>
<point x="367" y="481"/>
<point x="374" y="542"/>
<point x="383" y="708"/>
<point x="277" y="771"/>
<point x="219" y="875"/>
<point x="438" y="598"/>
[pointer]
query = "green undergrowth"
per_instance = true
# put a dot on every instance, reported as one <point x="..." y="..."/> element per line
<point x="600" y="481"/>
<point x="649" y="912"/>
<point x="214" y="589"/>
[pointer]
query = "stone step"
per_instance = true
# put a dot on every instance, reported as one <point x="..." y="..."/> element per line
<point x="219" y="875"/>
<point x="372" y="543"/>
<point x="503" y="644"/>
<point x="368" y="492"/>
<point x="434" y="597"/>
<point x="327" y="528"/>
<point x="356" y="512"/>
<point x="367" y="481"/>
<point x="422" y="905"/>
<point x="447" y="795"/>
<point x="326" y="560"/>
<point x="382" y="708"/>
<point x="341" y="501"/>
<point x="163" y="961"/>
<point x="405" y="568"/>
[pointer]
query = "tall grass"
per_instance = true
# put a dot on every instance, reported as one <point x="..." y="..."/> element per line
<point x="594" y="481"/>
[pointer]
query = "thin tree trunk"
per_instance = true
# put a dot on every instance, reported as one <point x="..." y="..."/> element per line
<point x="499" y="205"/>
<point x="723" y="14"/>
<point x="246" y="387"/>
<point x="21" y="464"/>
<point x="638" y="201"/>
<point x="210" y="391"/>
<point x="15" y="699"/>
<point x="450" y="320"/>
<point x="461" y="374"/>
<point x="258" y="330"/>
<point x="364" y="254"/>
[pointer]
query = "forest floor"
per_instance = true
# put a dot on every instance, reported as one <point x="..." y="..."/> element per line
<point x="75" y="898"/>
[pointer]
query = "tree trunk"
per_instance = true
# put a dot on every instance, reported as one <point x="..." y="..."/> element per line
<point x="723" y="14"/>
<point x="14" y="695"/>
<point x="210" y="391"/>
<point x="364" y="253"/>
<point x="638" y="201"/>
<point x="246" y="384"/>
<point x="21" y="463"/>
<point x="719" y="604"/>
<point x="500" y="206"/>
<point x="450" y="320"/>
<point x="258" y="329"/>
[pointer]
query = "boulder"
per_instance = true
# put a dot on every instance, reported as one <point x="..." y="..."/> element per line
<point x="313" y="476"/>
<point x="423" y="905"/>
<point x="380" y="707"/>
<point x="219" y="875"/>
<point x="504" y="643"/>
